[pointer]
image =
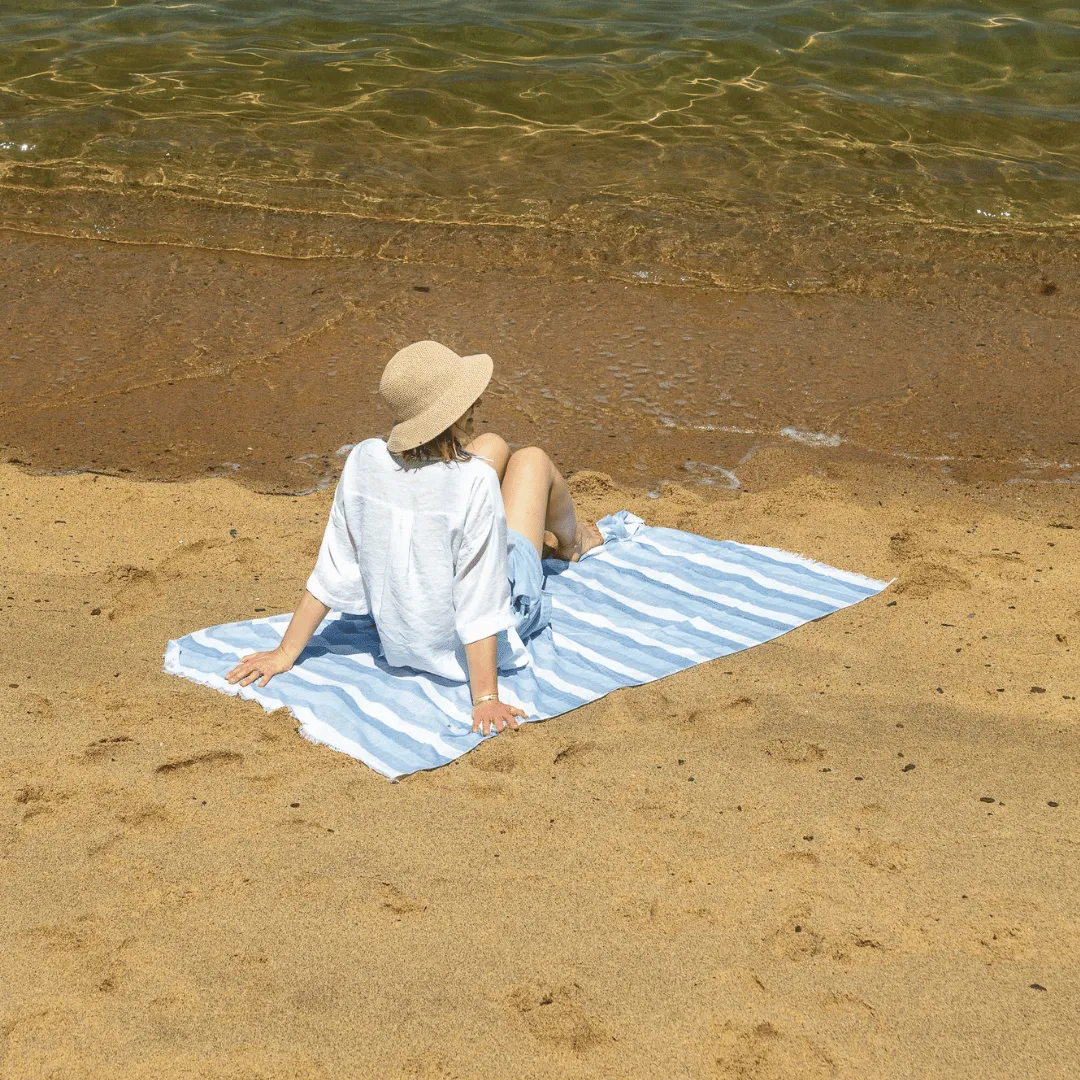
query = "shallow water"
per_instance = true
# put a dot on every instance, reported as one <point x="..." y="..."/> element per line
<point x="680" y="140"/>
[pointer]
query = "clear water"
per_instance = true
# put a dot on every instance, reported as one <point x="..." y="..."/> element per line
<point x="702" y="120"/>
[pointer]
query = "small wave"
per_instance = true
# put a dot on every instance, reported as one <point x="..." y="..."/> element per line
<point x="810" y="438"/>
<point x="715" y="475"/>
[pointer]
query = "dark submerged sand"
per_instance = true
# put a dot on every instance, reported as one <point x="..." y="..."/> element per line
<point x="684" y="879"/>
<point x="169" y="363"/>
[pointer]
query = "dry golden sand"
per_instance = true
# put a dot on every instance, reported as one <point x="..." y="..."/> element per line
<point x="734" y="872"/>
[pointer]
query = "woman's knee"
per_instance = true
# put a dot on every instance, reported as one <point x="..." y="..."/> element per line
<point x="492" y="448"/>
<point x="532" y="458"/>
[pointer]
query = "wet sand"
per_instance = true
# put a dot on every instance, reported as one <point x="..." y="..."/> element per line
<point x="170" y="363"/>
<point x="847" y="853"/>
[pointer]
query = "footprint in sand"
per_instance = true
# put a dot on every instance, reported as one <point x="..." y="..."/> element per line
<point x="558" y="1015"/>
<point x="794" y="751"/>
<point x="923" y="579"/>
<point x="795" y="939"/>
<point x="498" y="757"/>
<point x="766" y="1051"/>
<point x="879" y="854"/>
<point x="209" y="759"/>
<point x="837" y="1001"/>
<point x="38" y="801"/>
<point x="573" y="753"/>
<point x="398" y="902"/>
<point x="106" y="749"/>
<point x="58" y="939"/>
<point x="801" y="858"/>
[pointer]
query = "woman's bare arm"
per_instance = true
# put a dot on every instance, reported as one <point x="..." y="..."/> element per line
<point x="265" y="665"/>
<point x="484" y="682"/>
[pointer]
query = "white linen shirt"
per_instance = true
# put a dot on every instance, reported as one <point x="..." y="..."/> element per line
<point x="423" y="550"/>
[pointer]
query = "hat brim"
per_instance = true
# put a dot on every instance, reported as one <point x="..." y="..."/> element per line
<point x="473" y="378"/>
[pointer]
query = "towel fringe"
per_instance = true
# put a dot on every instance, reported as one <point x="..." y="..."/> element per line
<point x="819" y="567"/>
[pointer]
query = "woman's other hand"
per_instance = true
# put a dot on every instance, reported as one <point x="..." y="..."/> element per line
<point x="494" y="714"/>
<point x="262" y="666"/>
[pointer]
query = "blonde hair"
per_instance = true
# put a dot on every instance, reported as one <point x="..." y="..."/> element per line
<point x="444" y="447"/>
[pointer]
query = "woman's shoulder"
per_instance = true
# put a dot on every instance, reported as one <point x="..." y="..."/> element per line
<point x="363" y="461"/>
<point x="368" y="451"/>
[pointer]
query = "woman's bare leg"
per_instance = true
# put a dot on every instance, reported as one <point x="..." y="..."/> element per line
<point x="493" y="449"/>
<point x="537" y="500"/>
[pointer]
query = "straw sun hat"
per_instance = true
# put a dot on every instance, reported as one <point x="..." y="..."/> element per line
<point x="428" y="387"/>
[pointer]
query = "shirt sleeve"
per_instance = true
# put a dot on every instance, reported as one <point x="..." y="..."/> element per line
<point x="336" y="580"/>
<point x="481" y="585"/>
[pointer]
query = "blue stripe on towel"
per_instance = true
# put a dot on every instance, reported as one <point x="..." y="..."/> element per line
<point x="650" y="602"/>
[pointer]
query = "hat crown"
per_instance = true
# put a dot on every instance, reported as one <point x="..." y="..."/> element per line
<point x="428" y="387"/>
<point x="417" y="376"/>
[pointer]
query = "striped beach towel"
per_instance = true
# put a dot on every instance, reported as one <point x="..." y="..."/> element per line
<point x="648" y="603"/>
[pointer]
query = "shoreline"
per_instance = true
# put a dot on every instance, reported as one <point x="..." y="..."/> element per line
<point x="792" y="249"/>
<point x="217" y="363"/>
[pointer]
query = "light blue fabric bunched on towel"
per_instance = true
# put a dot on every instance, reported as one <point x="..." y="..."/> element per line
<point x="648" y="603"/>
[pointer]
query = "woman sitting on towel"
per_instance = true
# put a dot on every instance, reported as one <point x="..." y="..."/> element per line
<point x="438" y="535"/>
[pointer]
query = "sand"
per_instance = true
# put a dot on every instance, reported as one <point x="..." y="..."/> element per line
<point x="851" y="852"/>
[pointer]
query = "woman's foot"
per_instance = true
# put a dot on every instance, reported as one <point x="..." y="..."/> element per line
<point x="588" y="537"/>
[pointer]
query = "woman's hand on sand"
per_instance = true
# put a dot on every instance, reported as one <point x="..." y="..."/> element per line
<point x="262" y="666"/>
<point x="495" y="714"/>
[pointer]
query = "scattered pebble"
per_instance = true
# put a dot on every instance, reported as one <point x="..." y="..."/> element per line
<point x="232" y="532"/>
<point x="1036" y="986"/>
<point x="1038" y="689"/>
<point x="1051" y="803"/>
<point x="96" y="611"/>
<point x="908" y="767"/>
<point x="294" y="805"/>
<point x="987" y="799"/>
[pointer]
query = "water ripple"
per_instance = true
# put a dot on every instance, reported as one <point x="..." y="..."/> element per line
<point x="500" y="110"/>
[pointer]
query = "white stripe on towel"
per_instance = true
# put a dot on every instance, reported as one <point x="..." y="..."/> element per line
<point x="675" y="582"/>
